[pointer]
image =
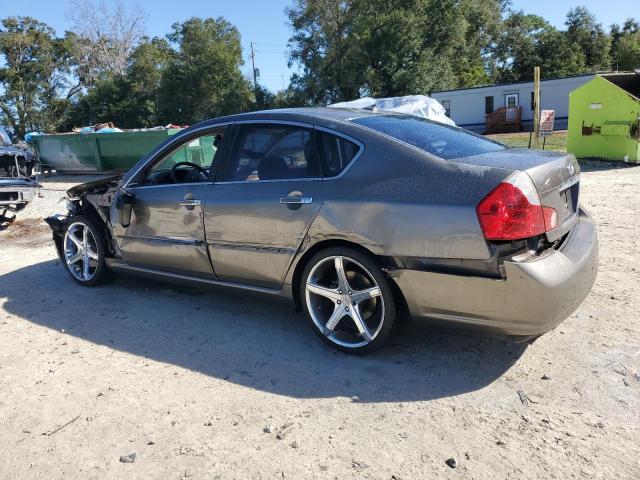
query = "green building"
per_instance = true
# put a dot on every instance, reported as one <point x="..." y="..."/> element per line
<point x="604" y="118"/>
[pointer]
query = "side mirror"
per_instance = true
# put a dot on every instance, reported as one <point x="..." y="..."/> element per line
<point x="124" y="205"/>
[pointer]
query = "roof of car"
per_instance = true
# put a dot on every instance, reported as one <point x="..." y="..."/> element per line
<point x="299" y="114"/>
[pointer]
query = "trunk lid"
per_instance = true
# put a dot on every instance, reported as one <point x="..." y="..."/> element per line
<point x="556" y="176"/>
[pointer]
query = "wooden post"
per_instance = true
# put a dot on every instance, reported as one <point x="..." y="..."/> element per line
<point x="536" y="109"/>
<point x="253" y="66"/>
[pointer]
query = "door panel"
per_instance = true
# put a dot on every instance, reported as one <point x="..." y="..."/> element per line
<point x="166" y="230"/>
<point x="252" y="236"/>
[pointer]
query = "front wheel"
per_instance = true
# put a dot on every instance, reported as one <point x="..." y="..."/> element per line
<point x="348" y="299"/>
<point x="83" y="251"/>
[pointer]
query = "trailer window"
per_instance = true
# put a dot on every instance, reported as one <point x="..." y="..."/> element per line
<point x="488" y="105"/>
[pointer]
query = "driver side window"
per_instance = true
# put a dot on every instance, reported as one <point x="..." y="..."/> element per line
<point x="189" y="163"/>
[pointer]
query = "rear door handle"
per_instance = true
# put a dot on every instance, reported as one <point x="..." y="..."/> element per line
<point x="296" y="200"/>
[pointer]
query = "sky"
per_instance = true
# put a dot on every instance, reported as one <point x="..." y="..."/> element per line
<point x="264" y="22"/>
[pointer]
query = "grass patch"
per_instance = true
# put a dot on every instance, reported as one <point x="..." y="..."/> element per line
<point x="556" y="141"/>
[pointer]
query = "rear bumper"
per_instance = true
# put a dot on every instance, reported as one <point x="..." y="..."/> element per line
<point x="535" y="296"/>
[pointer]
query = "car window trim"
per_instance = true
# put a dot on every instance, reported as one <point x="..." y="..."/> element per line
<point x="311" y="126"/>
<point x="352" y="161"/>
<point x="233" y="127"/>
<point x="233" y="146"/>
<point x="179" y="139"/>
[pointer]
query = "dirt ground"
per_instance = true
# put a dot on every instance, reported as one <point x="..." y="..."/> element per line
<point x="211" y="384"/>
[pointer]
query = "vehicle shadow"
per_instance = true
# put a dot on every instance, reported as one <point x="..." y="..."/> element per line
<point x="254" y="341"/>
<point x="597" y="165"/>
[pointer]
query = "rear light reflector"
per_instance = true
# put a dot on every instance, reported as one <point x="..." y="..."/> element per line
<point x="512" y="211"/>
<point x="550" y="218"/>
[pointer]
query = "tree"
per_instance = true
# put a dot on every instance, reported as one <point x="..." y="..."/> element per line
<point x="105" y="38"/>
<point x="320" y="44"/>
<point x="34" y="80"/>
<point x="203" y="78"/>
<point x="350" y="48"/>
<point x="625" y="45"/>
<point x="527" y="41"/>
<point x="627" y="52"/>
<point x="584" y="31"/>
<point x="129" y="100"/>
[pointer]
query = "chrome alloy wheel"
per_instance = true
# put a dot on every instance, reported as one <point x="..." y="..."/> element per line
<point x="81" y="251"/>
<point x="344" y="301"/>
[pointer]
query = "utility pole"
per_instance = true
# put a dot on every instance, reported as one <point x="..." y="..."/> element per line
<point x="253" y="66"/>
<point x="536" y="105"/>
<point x="282" y="76"/>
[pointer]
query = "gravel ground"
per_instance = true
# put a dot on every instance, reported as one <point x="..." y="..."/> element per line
<point x="139" y="379"/>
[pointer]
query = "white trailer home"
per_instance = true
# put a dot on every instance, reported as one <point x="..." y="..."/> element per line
<point x="468" y="107"/>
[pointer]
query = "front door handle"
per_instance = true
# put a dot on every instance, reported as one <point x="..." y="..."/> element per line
<point x="295" y="200"/>
<point x="190" y="203"/>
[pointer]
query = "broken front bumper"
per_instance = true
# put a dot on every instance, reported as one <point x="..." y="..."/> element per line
<point x="536" y="295"/>
<point x="15" y="193"/>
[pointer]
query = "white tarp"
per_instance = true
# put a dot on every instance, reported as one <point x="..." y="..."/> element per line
<point x="418" y="105"/>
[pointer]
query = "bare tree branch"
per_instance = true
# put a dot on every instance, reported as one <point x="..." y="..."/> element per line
<point x="108" y="34"/>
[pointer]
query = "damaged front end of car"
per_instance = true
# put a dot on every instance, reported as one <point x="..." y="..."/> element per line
<point x="93" y="199"/>
<point x="17" y="186"/>
<point x="15" y="194"/>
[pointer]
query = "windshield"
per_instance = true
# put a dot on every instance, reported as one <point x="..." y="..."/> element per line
<point x="441" y="140"/>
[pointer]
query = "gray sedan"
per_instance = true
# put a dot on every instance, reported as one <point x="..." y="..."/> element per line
<point x="362" y="219"/>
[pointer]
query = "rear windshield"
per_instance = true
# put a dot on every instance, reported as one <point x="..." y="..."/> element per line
<point x="432" y="137"/>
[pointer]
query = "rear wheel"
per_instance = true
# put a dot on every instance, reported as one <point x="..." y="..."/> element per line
<point x="83" y="251"/>
<point x="348" y="300"/>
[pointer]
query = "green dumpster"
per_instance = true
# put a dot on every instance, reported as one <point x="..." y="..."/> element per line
<point x="604" y="118"/>
<point x="101" y="152"/>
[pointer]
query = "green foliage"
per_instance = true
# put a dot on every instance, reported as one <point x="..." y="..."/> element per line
<point x="344" y="49"/>
<point x="203" y="78"/>
<point x="528" y="41"/>
<point x="349" y="48"/>
<point x="627" y="52"/>
<point x="35" y="90"/>
<point x="584" y="32"/>
<point x="625" y="45"/>
<point x="193" y="75"/>
<point x="129" y="100"/>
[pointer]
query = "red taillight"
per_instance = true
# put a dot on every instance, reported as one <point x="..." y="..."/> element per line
<point x="512" y="211"/>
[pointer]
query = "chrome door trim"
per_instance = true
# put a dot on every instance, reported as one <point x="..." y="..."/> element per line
<point x="136" y="187"/>
<point x="232" y="182"/>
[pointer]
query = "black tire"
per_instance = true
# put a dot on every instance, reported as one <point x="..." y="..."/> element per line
<point x="356" y="260"/>
<point x="100" y="271"/>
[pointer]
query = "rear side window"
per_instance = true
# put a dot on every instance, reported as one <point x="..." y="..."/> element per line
<point x="336" y="152"/>
<point x="440" y="140"/>
<point x="273" y="152"/>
